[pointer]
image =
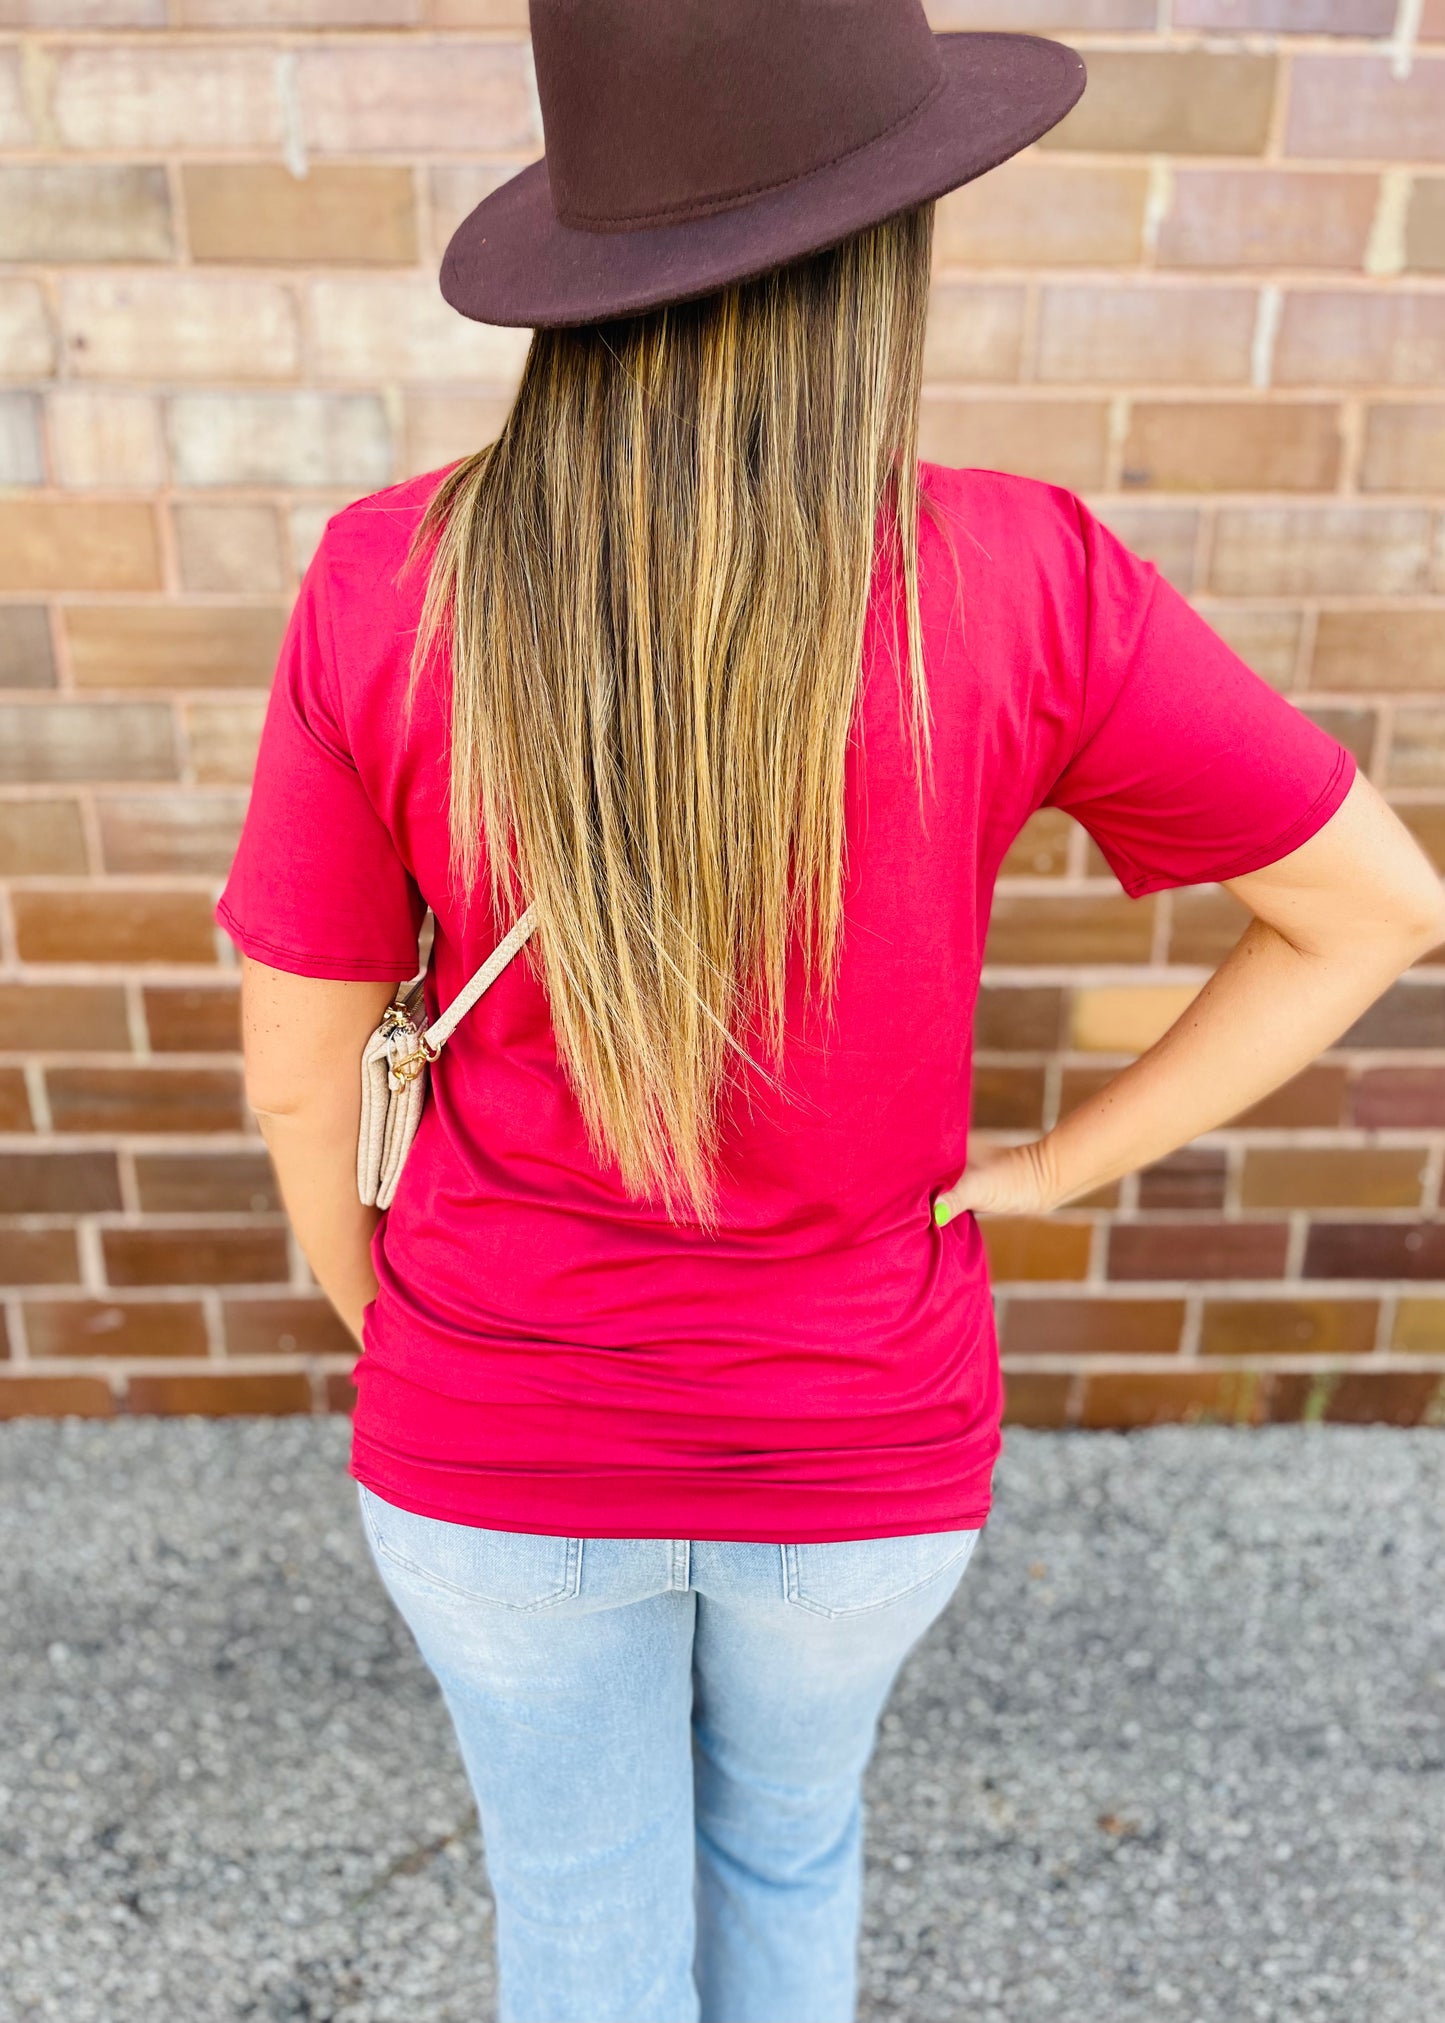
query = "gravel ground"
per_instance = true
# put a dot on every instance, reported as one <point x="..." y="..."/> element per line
<point x="1176" y="1751"/>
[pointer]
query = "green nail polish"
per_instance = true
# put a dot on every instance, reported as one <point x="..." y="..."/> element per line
<point x="942" y="1213"/>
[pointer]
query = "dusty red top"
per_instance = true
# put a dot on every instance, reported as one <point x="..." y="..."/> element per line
<point x="546" y="1354"/>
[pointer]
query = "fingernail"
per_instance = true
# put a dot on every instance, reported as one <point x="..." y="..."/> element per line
<point x="942" y="1213"/>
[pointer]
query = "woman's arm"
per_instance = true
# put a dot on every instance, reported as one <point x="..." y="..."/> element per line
<point x="303" y="1039"/>
<point x="1336" y="922"/>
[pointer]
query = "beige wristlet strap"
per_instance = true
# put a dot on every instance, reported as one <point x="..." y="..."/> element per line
<point x="437" y="1035"/>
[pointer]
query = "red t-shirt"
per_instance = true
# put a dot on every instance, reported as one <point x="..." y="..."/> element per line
<point x="546" y="1354"/>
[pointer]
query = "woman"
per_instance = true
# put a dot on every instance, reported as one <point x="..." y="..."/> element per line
<point x="679" y="1398"/>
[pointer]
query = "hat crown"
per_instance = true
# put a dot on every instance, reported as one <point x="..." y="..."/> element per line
<point x="657" y="111"/>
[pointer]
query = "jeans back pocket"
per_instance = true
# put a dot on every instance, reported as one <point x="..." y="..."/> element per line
<point x="508" y="1569"/>
<point x="849" y="1577"/>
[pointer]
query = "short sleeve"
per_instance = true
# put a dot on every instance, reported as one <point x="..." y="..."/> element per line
<point x="317" y="886"/>
<point x="1187" y="766"/>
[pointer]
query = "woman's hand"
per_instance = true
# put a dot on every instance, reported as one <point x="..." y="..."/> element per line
<point x="1001" y="1180"/>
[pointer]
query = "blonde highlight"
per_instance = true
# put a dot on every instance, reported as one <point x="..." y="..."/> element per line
<point x="653" y="588"/>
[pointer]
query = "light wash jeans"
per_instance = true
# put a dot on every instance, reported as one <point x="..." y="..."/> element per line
<point x="667" y="1738"/>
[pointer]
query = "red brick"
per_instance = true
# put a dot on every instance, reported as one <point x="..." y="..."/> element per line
<point x="27" y="1397"/>
<point x="14" y="1101"/>
<point x="1193" y="1178"/>
<point x="1289" y="17"/>
<point x="174" y="645"/>
<point x="1127" y="1399"/>
<point x="26" y="659"/>
<point x="222" y="1396"/>
<point x="292" y="1327"/>
<point x="1018" y="1018"/>
<point x="1426" y="822"/>
<point x="1268" y="218"/>
<point x="1033" y="211"/>
<point x="109" y="926"/>
<point x="1314" y="1097"/>
<point x="1360" y="337"/>
<point x="1387" y="1099"/>
<point x="67" y="1018"/>
<point x="1379" y="650"/>
<point x="1092" y="1327"/>
<point x="1417" y="747"/>
<point x="1037" y="16"/>
<point x="190" y="1256"/>
<point x="1333" y="1176"/>
<point x="1291" y="1395"/>
<point x="179" y="323"/>
<point x="40" y="839"/>
<point x="1036" y="1398"/>
<point x="1177" y="101"/>
<point x="1425" y="226"/>
<point x="58" y="1183"/>
<point x="1232" y="446"/>
<point x="1007" y="1098"/>
<point x="176" y="833"/>
<point x="1382" y="1397"/>
<point x="301" y="440"/>
<point x="38" y="1257"/>
<point x="1061" y="442"/>
<point x="70" y="741"/>
<point x="102" y="1328"/>
<point x="105" y="438"/>
<point x="145" y="1099"/>
<point x="975" y="331"/>
<point x="340" y="1392"/>
<point x="1404" y="447"/>
<point x="1419" y="1327"/>
<point x="1119" y="334"/>
<point x="440" y="427"/>
<point x="260" y="212"/>
<point x="78" y="544"/>
<point x="223" y="737"/>
<point x="204" y="1020"/>
<point x="229" y="546"/>
<point x="1288" y="1327"/>
<point x="387" y="95"/>
<point x="1408" y="1015"/>
<point x="1346" y="107"/>
<point x="1023" y="1247"/>
<point x="137" y="95"/>
<point x="206" y="1183"/>
<point x="1040" y="928"/>
<point x="1370" y="1250"/>
<point x="1206" y="924"/>
<point x="54" y="213"/>
<point x="298" y="13"/>
<point x="1320" y="550"/>
<point x="1197" y="1250"/>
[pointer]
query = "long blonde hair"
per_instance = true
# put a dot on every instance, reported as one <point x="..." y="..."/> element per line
<point x="653" y="589"/>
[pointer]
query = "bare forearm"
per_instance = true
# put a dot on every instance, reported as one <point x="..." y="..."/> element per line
<point x="1265" y="1014"/>
<point x="314" y="1154"/>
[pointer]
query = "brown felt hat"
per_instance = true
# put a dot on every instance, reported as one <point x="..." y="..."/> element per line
<point x="691" y="143"/>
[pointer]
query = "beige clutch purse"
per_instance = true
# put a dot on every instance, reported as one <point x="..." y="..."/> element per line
<point x="394" y="1068"/>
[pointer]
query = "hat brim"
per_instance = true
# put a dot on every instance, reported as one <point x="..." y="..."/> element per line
<point x="511" y="261"/>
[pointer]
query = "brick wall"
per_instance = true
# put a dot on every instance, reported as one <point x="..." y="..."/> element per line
<point x="1212" y="301"/>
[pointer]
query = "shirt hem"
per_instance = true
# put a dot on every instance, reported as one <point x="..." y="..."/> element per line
<point x="332" y="969"/>
<point x="603" y="1492"/>
<point x="1263" y="854"/>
